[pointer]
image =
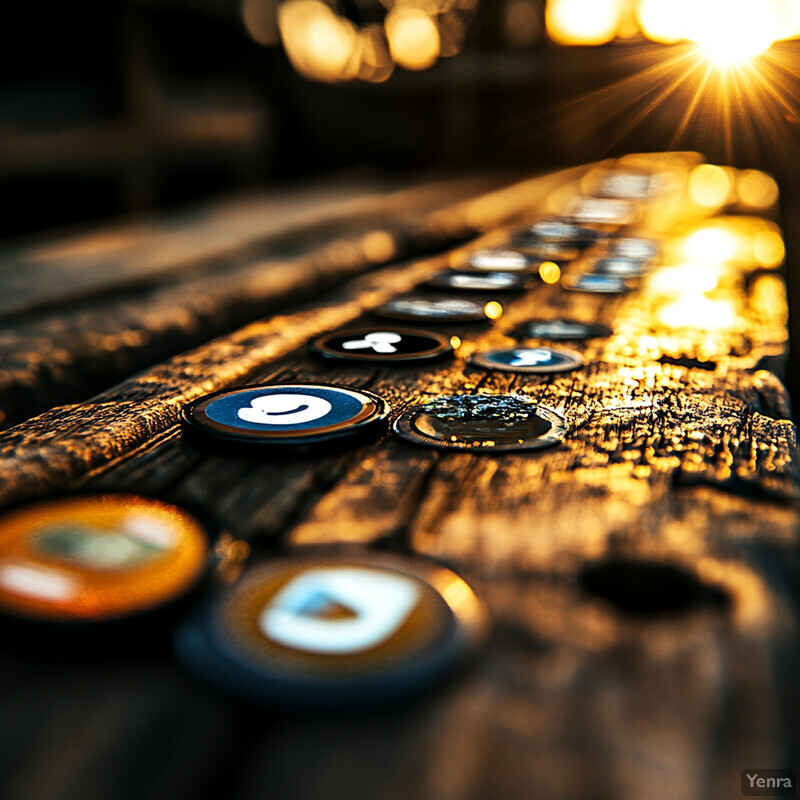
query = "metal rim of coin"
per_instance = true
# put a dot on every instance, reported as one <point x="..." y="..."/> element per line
<point x="481" y="423"/>
<point x="433" y="310"/>
<point x="565" y="360"/>
<point x="478" y="281"/>
<point x="99" y="558"/>
<point x="595" y="284"/>
<point x="289" y="418"/>
<point x="301" y="630"/>
<point x="383" y="347"/>
<point x="560" y="329"/>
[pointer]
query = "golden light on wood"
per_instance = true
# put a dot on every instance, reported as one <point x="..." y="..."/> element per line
<point x="493" y="310"/>
<point x="549" y="272"/>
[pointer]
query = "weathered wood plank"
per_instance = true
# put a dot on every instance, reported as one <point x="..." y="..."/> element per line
<point x="62" y="269"/>
<point x="640" y="575"/>
<point x="66" y="354"/>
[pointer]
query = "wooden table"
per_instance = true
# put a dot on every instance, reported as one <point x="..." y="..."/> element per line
<point x="641" y="577"/>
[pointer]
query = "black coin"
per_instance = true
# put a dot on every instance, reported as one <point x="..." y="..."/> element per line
<point x="554" y="231"/>
<point x="395" y="345"/>
<point x="481" y="423"/>
<point x="285" y="414"/>
<point x="335" y="629"/>
<point x="475" y="282"/>
<point x="560" y="330"/>
<point x="542" y="360"/>
<point x="434" y="309"/>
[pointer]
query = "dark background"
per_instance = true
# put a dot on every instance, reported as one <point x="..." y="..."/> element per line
<point x="108" y="108"/>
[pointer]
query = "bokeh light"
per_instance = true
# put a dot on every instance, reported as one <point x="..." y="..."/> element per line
<point x="413" y="37"/>
<point x="583" y="22"/>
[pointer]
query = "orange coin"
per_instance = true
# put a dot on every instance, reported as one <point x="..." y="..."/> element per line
<point x="97" y="557"/>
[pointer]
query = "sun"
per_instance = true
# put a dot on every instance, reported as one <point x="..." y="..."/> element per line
<point x="735" y="32"/>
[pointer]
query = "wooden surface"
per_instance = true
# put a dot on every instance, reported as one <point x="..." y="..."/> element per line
<point x="641" y="576"/>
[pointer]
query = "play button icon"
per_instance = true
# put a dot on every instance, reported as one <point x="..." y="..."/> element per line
<point x="334" y="628"/>
<point x="339" y="610"/>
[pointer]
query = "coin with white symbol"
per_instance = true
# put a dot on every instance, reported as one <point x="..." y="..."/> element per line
<point x="535" y="359"/>
<point x="343" y="628"/>
<point x="293" y="414"/>
<point x="381" y="345"/>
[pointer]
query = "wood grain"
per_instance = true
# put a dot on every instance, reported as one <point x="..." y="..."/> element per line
<point x="641" y="576"/>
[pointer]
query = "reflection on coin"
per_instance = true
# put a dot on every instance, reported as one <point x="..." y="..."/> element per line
<point x="595" y="284"/>
<point x="499" y="260"/>
<point x="620" y="267"/>
<point x="557" y="232"/>
<point x="97" y="557"/>
<point x="561" y="330"/>
<point x="481" y="423"/>
<point x="478" y="282"/>
<point x="335" y="628"/>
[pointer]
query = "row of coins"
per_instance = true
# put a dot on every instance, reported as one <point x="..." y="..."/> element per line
<point x="321" y="627"/>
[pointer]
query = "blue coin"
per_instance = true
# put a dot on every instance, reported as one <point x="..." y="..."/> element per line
<point x="533" y="359"/>
<point x="595" y="284"/>
<point x="285" y="413"/>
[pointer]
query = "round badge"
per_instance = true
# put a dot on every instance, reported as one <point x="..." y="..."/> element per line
<point x="619" y="267"/>
<point x="474" y="282"/>
<point x="547" y="251"/>
<point x="335" y="629"/>
<point x="633" y="248"/>
<point x="380" y="345"/>
<point x="537" y="359"/>
<point x="481" y="423"/>
<point x="499" y="260"/>
<point x="285" y="414"/>
<point x="439" y="309"/>
<point x="94" y="558"/>
<point x="601" y="211"/>
<point x="595" y="284"/>
<point x="558" y="232"/>
<point x="560" y="330"/>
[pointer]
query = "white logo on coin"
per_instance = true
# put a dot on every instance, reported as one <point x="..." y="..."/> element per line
<point x="339" y="610"/>
<point x="530" y="358"/>
<point x="380" y="342"/>
<point x="285" y="409"/>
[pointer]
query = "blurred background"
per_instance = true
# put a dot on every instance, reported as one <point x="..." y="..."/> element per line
<point x="115" y="107"/>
